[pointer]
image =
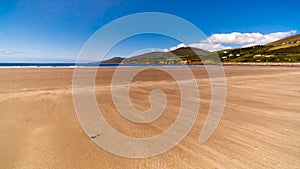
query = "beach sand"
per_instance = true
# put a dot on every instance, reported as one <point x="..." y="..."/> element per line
<point x="260" y="127"/>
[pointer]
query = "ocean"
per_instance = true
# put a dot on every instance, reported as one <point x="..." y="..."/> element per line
<point x="82" y="65"/>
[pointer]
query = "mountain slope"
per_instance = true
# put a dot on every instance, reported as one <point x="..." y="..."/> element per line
<point x="114" y="60"/>
<point x="182" y="55"/>
<point x="283" y="50"/>
<point x="291" y="39"/>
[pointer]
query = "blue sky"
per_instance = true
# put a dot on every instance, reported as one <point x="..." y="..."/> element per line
<point x="55" y="31"/>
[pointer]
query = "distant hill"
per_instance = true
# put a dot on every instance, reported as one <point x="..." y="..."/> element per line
<point x="114" y="60"/>
<point x="283" y="50"/>
<point x="189" y="51"/>
<point x="184" y="55"/>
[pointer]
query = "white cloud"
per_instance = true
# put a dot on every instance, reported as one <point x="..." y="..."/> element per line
<point x="209" y="46"/>
<point x="222" y="41"/>
<point x="202" y="45"/>
<point x="248" y="38"/>
<point x="178" y="46"/>
<point x="10" y="52"/>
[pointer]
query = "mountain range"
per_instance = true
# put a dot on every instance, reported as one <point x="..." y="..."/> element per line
<point x="283" y="50"/>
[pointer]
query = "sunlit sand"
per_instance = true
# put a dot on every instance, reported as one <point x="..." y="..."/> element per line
<point x="260" y="127"/>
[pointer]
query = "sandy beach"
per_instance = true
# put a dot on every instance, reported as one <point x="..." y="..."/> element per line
<point x="260" y="127"/>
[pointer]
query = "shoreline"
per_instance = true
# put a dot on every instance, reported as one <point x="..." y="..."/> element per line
<point x="225" y="64"/>
<point x="293" y="64"/>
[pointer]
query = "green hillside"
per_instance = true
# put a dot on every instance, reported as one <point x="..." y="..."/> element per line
<point x="287" y="40"/>
<point x="284" y="50"/>
<point x="185" y="55"/>
<point x="261" y="53"/>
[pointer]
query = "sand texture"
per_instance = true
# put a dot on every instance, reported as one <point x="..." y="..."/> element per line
<point x="260" y="127"/>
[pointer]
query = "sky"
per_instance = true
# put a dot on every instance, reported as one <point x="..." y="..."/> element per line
<point x="56" y="31"/>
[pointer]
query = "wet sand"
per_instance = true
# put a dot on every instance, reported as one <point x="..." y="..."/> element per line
<point x="260" y="127"/>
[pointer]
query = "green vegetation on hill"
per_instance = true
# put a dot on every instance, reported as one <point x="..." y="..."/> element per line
<point x="287" y="40"/>
<point x="261" y="53"/>
<point x="185" y="55"/>
<point x="284" y="50"/>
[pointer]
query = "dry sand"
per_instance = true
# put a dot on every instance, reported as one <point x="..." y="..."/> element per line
<point x="260" y="127"/>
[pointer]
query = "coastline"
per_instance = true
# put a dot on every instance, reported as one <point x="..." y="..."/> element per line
<point x="113" y="65"/>
<point x="292" y="64"/>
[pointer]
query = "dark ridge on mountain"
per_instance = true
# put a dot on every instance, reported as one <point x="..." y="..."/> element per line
<point x="183" y="55"/>
<point x="189" y="51"/>
<point x="114" y="60"/>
